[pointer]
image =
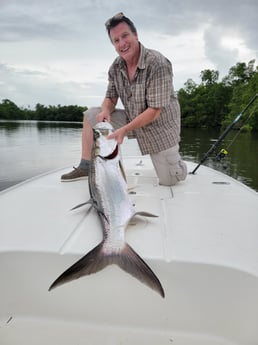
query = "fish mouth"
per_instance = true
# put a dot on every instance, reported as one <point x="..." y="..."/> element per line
<point x="112" y="154"/>
<point x="105" y="148"/>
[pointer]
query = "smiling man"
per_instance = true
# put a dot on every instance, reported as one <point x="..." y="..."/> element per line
<point x="143" y="79"/>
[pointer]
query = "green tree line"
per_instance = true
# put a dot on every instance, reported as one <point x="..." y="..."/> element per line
<point x="212" y="103"/>
<point x="10" y="111"/>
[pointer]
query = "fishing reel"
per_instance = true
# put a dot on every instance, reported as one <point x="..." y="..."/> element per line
<point x="222" y="154"/>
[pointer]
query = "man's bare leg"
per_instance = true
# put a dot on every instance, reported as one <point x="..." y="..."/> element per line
<point x="87" y="140"/>
<point x="81" y="172"/>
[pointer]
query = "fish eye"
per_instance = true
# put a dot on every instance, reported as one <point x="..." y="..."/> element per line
<point x="96" y="134"/>
<point x="104" y="132"/>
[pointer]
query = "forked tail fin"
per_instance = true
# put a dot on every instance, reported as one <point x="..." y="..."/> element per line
<point x="132" y="263"/>
<point x="97" y="259"/>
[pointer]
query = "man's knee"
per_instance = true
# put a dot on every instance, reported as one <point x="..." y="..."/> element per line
<point x="90" y="115"/>
<point x="174" y="174"/>
<point x="178" y="172"/>
<point x="169" y="166"/>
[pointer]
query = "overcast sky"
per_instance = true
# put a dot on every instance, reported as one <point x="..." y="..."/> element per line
<point x="58" y="52"/>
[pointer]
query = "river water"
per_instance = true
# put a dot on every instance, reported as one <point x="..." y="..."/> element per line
<point x="29" y="148"/>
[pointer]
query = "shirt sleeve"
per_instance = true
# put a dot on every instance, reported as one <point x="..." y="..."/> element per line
<point x="160" y="87"/>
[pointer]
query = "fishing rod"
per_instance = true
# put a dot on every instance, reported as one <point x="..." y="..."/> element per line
<point x="222" y="136"/>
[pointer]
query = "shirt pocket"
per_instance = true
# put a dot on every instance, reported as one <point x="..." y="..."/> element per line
<point x="139" y="93"/>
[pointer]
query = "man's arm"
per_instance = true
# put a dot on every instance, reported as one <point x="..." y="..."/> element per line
<point x="143" y="119"/>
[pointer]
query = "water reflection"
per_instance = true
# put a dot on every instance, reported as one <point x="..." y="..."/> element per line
<point x="241" y="160"/>
<point x="43" y="125"/>
<point x="9" y="125"/>
<point x="15" y="125"/>
<point x="28" y="148"/>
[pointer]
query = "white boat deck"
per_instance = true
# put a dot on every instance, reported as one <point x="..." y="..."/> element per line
<point x="202" y="247"/>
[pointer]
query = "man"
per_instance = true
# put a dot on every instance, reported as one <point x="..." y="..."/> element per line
<point x="142" y="79"/>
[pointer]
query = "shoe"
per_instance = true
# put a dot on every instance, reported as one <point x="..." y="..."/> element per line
<point x="76" y="174"/>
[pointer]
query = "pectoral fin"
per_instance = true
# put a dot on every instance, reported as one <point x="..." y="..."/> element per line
<point x="144" y="214"/>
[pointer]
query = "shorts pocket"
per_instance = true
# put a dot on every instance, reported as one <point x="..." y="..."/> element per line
<point x="178" y="170"/>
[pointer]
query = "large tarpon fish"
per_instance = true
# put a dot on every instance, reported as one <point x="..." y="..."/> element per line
<point x="109" y="197"/>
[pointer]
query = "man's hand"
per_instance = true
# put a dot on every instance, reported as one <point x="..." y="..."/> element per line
<point x="108" y="106"/>
<point x="103" y="116"/>
<point x="118" y="135"/>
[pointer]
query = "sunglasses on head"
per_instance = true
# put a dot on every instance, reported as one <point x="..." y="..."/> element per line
<point x="117" y="16"/>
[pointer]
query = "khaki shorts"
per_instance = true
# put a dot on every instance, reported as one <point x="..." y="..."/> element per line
<point x="118" y="117"/>
<point x="169" y="166"/>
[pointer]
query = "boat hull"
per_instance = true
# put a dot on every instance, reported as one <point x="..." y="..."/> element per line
<point x="202" y="246"/>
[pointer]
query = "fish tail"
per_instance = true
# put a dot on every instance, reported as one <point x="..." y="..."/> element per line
<point x="92" y="262"/>
<point x="98" y="258"/>
<point x="133" y="264"/>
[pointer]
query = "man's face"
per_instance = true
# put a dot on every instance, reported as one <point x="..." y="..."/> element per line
<point x="125" y="41"/>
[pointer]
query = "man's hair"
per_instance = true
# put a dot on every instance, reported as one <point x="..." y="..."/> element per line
<point x="117" y="19"/>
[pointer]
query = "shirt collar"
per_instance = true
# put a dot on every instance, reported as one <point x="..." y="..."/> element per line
<point x="141" y="62"/>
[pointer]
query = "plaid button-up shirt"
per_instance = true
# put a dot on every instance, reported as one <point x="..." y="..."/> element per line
<point x="152" y="87"/>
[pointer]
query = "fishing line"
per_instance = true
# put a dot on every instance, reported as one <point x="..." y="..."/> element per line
<point x="224" y="151"/>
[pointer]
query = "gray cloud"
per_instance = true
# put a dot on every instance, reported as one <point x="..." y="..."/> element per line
<point x="220" y="55"/>
<point x="55" y="52"/>
<point x="30" y="18"/>
<point x="27" y="85"/>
